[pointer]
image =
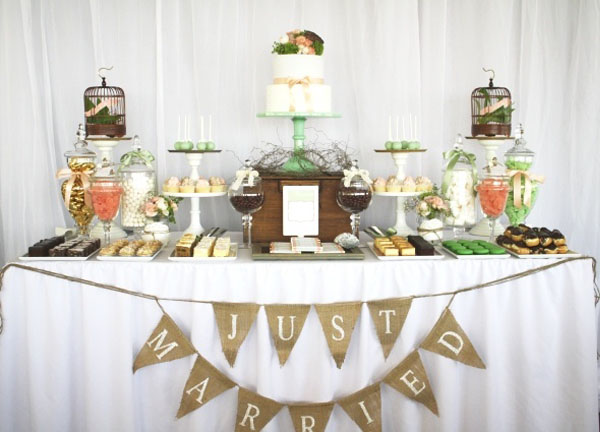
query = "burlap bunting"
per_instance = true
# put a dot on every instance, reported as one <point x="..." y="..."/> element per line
<point x="286" y="323"/>
<point x="364" y="407"/>
<point x="166" y="343"/>
<point x="234" y="321"/>
<point x="312" y="418"/>
<point x="447" y="338"/>
<point x="254" y="411"/>
<point x="410" y="379"/>
<point x="338" y="322"/>
<point x="389" y="317"/>
<point x="204" y="383"/>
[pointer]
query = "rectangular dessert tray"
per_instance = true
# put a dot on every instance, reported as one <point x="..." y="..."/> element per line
<point x="474" y="257"/>
<point x="260" y="252"/>
<point x="195" y="194"/>
<point x="26" y="257"/>
<point x="130" y="258"/>
<point x="436" y="255"/>
<point x="233" y="253"/>
<point x="569" y="254"/>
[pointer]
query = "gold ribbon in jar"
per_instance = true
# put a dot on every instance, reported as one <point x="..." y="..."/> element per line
<point x="517" y="176"/>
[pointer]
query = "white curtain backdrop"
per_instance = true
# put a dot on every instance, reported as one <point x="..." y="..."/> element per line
<point x="186" y="57"/>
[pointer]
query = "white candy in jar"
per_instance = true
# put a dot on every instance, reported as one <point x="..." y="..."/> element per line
<point x="461" y="198"/>
<point x="137" y="188"/>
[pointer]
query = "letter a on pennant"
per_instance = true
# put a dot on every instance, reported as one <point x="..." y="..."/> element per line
<point x="286" y="323"/>
<point x="166" y="343"/>
<point x="410" y="379"/>
<point x="338" y="322"/>
<point x="447" y="338"/>
<point x="389" y="317"/>
<point x="254" y="411"/>
<point x="364" y="407"/>
<point x="234" y="321"/>
<point x="204" y="383"/>
<point x="310" y="418"/>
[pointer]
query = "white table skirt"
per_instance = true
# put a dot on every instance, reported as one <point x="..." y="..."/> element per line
<point x="67" y="350"/>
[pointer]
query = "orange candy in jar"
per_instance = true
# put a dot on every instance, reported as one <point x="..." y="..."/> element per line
<point x="493" y="194"/>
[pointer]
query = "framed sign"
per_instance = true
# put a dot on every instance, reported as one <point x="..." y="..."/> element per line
<point x="300" y="210"/>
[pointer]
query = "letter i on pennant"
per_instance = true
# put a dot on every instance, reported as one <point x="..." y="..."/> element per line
<point x="364" y="407"/>
<point x="166" y="343"/>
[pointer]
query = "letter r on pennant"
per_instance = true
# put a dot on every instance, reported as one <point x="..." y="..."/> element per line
<point x="251" y="413"/>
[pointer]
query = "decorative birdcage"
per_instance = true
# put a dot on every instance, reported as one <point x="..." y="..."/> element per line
<point x="491" y="109"/>
<point x="104" y="108"/>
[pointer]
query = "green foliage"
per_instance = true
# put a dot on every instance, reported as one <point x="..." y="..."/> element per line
<point x="101" y="117"/>
<point x="285" y="48"/>
<point x="500" y="115"/>
<point x="318" y="46"/>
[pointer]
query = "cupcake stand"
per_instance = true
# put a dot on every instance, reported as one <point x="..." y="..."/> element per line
<point x="298" y="163"/>
<point x="106" y="145"/>
<point x="400" y="158"/>
<point x="490" y="144"/>
<point x="194" y="157"/>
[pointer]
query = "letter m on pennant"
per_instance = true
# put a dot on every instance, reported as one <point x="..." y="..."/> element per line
<point x="166" y="343"/>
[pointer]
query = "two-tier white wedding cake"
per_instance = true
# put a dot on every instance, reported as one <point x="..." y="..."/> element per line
<point x="298" y="84"/>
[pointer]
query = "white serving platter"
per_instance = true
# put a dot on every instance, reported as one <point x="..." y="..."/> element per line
<point x="233" y="251"/>
<point x="474" y="257"/>
<point x="436" y="255"/>
<point x="398" y="194"/>
<point x="130" y="258"/>
<point x="194" y="194"/>
<point x="570" y="254"/>
<point x="26" y="257"/>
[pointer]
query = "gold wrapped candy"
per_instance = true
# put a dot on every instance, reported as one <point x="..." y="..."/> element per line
<point x="75" y="193"/>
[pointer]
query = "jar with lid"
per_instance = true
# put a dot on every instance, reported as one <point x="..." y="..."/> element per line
<point x="246" y="195"/>
<point x="81" y="165"/>
<point x="458" y="187"/>
<point x="354" y="194"/>
<point x="524" y="185"/>
<point x="138" y="181"/>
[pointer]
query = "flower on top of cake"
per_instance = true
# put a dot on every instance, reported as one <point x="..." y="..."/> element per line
<point x="299" y="42"/>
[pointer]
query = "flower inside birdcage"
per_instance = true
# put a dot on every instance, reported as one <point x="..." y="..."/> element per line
<point x="104" y="110"/>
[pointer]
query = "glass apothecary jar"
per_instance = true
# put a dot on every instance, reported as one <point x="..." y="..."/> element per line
<point x="81" y="165"/>
<point x="524" y="186"/>
<point x="138" y="181"/>
<point x="458" y="187"/>
<point x="354" y="194"/>
<point x="246" y="196"/>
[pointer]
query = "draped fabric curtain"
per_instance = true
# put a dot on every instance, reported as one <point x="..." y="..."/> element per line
<point x="186" y="57"/>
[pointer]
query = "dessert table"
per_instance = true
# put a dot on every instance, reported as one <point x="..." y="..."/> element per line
<point x="67" y="349"/>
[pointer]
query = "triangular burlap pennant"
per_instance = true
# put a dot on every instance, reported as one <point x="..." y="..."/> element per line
<point x="204" y="383"/>
<point x="234" y="321"/>
<point x="166" y="343"/>
<point x="254" y="411"/>
<point x="447" y="338"/>
<point x="286" y="322"/>
<point x="338" y="322"/>
<point x="311" y="418"/>
<point x="410" y="379"/>
<point x="389" y="317"/>
<point x="364" y="407"/>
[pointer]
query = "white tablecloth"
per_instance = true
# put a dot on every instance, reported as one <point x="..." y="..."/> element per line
<point x="67" y="350"/>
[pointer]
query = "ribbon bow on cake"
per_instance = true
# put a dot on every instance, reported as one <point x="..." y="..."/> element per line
<point x="84" y="178"/>
<point x="305" y="83"/>
<point x="240" y="175"/>
<point x="453" y="156"/>
<point x="352" y="172"/>
<point x="517" y="176"/>
<point x="144" y="155"/>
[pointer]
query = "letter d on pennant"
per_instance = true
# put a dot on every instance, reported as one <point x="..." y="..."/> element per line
<point x="166" y="343"/>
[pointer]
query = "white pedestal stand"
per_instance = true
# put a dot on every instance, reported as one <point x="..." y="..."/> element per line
<point x="400" y="157"/>
<point x="490" y="144"/>
<point x="106" y="146"/>
<point x="194" y="158"/>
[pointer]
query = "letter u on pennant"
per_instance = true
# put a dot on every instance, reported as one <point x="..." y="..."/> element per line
<point x="286" y="323"/>
<point x="166" y="343"/>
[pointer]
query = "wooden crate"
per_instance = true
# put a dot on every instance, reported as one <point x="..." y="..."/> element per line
<point x="267" y="224"/>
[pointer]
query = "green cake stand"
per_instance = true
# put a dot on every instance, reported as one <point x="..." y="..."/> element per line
<point x="298" y="163"/>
